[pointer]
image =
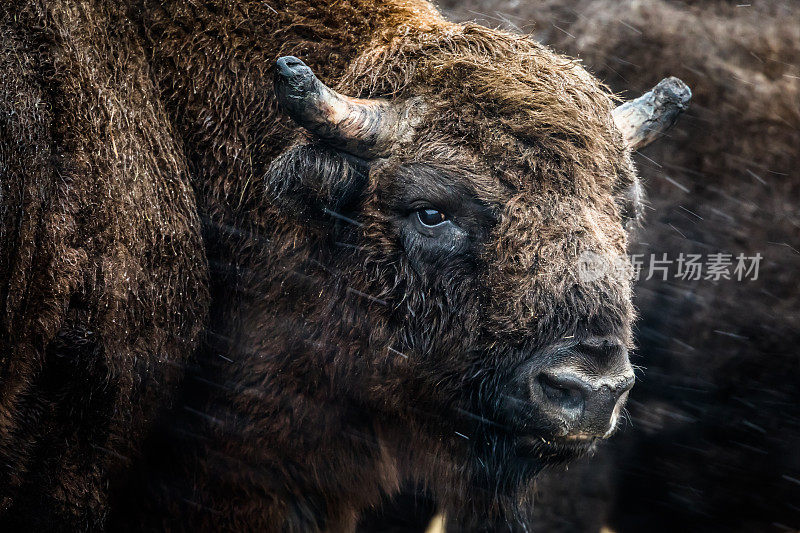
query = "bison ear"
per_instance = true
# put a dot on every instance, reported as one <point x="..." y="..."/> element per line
<point x="310" y="179"/>
<point x="646" y="118"/>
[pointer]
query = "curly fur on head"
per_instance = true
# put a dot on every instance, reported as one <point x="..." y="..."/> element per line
<point x="515" y="114"/>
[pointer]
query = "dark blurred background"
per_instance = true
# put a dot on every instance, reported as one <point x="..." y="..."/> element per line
<point x="712" y="440"/>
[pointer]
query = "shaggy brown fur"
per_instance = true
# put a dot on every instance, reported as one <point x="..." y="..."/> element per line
<point x="715" y="422"/>
<point x="102" y="274"/>
<point x="344" y="355"/>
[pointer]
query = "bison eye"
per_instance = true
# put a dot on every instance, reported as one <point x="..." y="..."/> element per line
<point x="431" y="217"/>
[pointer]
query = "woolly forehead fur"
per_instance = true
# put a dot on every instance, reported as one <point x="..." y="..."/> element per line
<point x="532" y="113"/>
<point x="530" y="132"/>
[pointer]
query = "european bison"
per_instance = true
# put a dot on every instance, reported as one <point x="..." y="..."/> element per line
<point x="393" y="280"/>
<point x="715" y="418"/>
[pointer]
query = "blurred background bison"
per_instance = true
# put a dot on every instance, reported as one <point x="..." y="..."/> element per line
<point x="714" y="423"/>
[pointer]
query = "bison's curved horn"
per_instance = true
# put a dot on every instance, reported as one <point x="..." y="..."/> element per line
<point x="365" y="128"/>
<point x="642" y="120"/>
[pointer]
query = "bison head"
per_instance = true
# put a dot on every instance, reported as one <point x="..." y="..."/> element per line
<point x="468" y="283"/>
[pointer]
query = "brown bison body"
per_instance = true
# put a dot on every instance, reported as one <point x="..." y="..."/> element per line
<point x="100" y="250"/>
<point x="398" y="306"/>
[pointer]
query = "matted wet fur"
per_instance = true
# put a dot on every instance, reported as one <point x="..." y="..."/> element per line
<point x="342" y="354"/>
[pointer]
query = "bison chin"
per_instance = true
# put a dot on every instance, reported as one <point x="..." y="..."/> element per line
<point x="494" y="490"/>
<point x="503" y="463"/>
<point x="552" y="452"/>
<point x="506" y="461"/>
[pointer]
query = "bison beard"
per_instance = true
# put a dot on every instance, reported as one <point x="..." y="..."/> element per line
<point x="393" y="280"/>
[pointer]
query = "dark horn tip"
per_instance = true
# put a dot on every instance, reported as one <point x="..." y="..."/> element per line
<point x="290" y="67"/>
<point x="675" y="90"/>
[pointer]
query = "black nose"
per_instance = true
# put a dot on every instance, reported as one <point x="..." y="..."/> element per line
<point x="587" y="405"/>
<point x="585" y="388"/>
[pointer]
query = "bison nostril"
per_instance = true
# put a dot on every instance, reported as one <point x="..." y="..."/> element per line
<point x="588" y="405"/>
<point x="564" y="391"/>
